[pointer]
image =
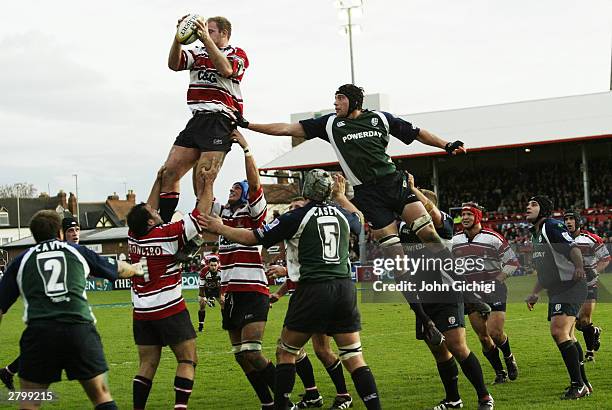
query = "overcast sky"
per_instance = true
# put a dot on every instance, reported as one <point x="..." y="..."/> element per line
<point x="85" y="89"/>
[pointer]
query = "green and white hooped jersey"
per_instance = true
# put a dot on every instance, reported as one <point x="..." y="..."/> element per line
<point x="361" y="143"/>
<point x="317" y="241"/>
<point x="51" y="277"/>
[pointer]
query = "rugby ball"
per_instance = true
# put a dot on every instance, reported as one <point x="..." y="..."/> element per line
<point x="186" y="32"/>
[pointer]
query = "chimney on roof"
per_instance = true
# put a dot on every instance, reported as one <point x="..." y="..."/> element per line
<point x="72" y="204"/>
<point x="61" y="197"/>
<point x="113" y="197"/>
<point x="131" y="196"/>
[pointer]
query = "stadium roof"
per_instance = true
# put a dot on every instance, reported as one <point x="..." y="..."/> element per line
<point x="562" y="119"/>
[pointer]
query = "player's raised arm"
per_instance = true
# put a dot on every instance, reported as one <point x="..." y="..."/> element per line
<point x="252" y="172"/>
<point x="292" y="130"/>
<point x="153" y="199"/>
<point x="429" y="205"/>
<point x="174" y="57"/>
<point x="219" y="60"/>
<point x="208" y="175"/>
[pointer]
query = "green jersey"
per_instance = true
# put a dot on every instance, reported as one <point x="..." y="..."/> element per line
<point x="51" y="278"/>
<point x="361" y="143"/>
<point x="317" y="241"/>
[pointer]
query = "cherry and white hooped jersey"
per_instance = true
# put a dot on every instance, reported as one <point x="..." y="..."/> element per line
<point x="208" y="90"/>
<point x="158" y="294"/>
<point x="488" y="247"/>
<point x="593" y="251"/>
<point x="242" y="269"/>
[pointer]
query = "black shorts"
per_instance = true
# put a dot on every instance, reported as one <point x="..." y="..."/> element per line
<point x="383" y="201"/>
<point x="328" y="307"/>
<point x="168" y="331"/>
<point x="497" y="299"/>
<point x="567" y="302"/>
<point x="212" y="293"/>
<point x="49" y="347"/>
<point x="242" y="308"/>
<point x="446" y="316"/>
<point x="207" y="131"/>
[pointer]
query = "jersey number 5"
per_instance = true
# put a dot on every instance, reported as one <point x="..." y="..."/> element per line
<point x="329" y="232"/>
<point x="52" y="270"/>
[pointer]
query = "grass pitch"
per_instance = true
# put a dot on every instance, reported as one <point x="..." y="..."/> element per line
<point x="405" y="371"/>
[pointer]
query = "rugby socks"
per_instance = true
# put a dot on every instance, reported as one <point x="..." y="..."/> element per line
<point x="581" y="360"/>
<point x="260" y="387"/>
<point x="569" y="352"/>
<point x="472" y="370"/>
<point x="267" y="375"/>
<point x="493" y="358"/>
<point x="141" y="386"/>
<point x="201" y="316"/>
<point x="366" y="387"/>
<point x="285" y="379"/>
<point x="182" y="391"/>
<point x="13" y="368"/>
<point x="304" y="370"/>
<point x="109" y="405"/>
<point x="505" y="348"/>
<point x="167" y="204"/>
<point x="449" y="374"/>
<point x="336" y="374"/>
<point x="588" y="332"/>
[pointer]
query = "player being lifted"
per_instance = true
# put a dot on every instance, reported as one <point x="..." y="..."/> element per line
<point x="446" y="309"/>
<point x="216" y="69"/>
<point x="60" y="332"/>
<point x="596" y="258"/>
<point x="360" y="138"/>
<point x="317" y="237"/>
<point x="560" y="269"/>
<point x="209" y="287"/>
<point x="498" y="261"/>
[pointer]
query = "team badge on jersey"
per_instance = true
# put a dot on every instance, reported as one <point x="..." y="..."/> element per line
<point x="374" y="122"/>
<point x="452" y="320"/>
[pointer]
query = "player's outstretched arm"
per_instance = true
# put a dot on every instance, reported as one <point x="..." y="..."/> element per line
<point x="214" y="224"/>
<point x="174" y="57"/>
<point x="127" y="270"/>
<point x="339" y="196"/>
<point x="429" y="138"/>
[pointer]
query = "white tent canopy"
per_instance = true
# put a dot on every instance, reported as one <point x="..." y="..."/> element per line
<point x="563" y="119"/>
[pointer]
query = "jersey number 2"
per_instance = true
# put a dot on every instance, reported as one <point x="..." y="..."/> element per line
<point x="52" y="270"/>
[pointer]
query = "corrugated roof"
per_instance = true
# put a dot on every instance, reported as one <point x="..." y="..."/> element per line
<point x="562" y="119"/>
<point x="87" y="236"/>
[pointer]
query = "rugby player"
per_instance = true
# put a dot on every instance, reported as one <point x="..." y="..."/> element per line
<point x="60" y="329"/>
<point x="321" y="343"/>
<point x="360" y="138"/>
<point x="596" y="258"/>
<point x="498" y="262"/>
<point x="72" y="231"/>
<point x="160" y="315"/>
<point x="560" y="270"/>
<point x="446" y="309"/>
<point x="216" y="69"/>
<point x="209" y="287"/>
<point x="317" y="237"/>
<point x="244" y="286"/>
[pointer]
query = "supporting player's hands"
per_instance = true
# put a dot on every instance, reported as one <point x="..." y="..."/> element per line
<point x="532" y="300"/>
<point x="240" y="120"/>
<point x="454" y="148"/>
<point x="410" y="181"/>
<point x="210" y="223"/>
<point x="238" y="138"/>
<point x="126" y="270"/>
<point x="160" y="172"/>
<point x="339" y="187"/>
<point x="276" y="271"/>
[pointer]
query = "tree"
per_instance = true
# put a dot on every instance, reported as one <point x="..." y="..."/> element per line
<point x="21" y="189"/>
